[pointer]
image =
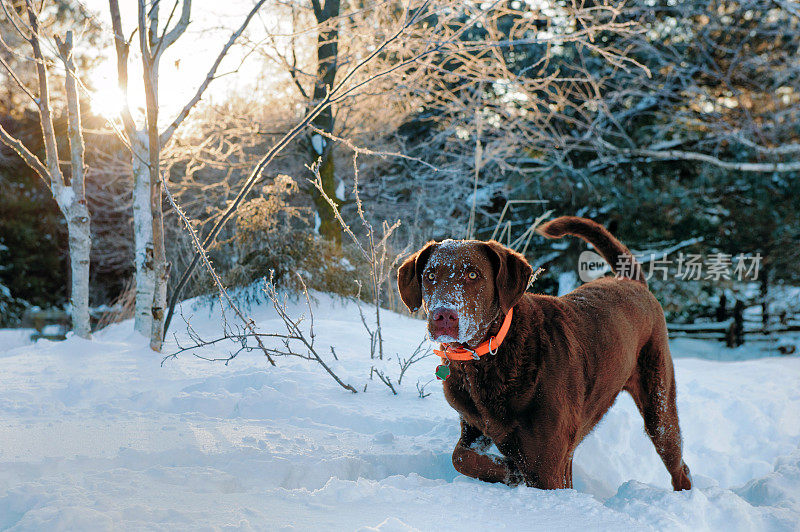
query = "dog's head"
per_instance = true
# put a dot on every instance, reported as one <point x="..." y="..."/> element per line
<point x="463" y="285"/>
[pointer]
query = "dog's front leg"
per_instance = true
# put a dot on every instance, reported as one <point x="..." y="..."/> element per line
<point x="543" y="460"/>
<point x="497" y="424"/>
<point x="469" y="460"/>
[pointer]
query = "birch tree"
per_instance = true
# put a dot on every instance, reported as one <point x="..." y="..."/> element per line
<point x="146" y="142"/>
<point x="68" y="191"/>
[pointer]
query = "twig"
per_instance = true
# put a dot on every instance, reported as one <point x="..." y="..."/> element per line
<point x="248" y="322"/>
<point x="418" y="355"/>
<point x="374" y="253"/>
<point x="384" y="379"/>
<point x="293" y="327"/>
<point x="421" y="389"/>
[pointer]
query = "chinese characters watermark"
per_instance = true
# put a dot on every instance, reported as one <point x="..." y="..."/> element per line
<point x="687" y="267"/>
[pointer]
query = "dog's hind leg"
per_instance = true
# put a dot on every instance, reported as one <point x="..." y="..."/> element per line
<point x="653" y="389"/>
<point x="568" y="474"/>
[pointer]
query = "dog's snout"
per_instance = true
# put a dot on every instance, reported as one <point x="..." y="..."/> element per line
<point x="443" y="322"/>
<point x="445" y="317"/>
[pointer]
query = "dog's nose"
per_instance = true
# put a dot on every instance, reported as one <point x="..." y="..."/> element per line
<point x="444" y="317"/>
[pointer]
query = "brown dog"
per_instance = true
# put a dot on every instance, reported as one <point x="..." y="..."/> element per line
<point x="561" y="365"/>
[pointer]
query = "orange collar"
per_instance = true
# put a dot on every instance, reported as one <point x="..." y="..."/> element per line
<point x="489" y="346"/>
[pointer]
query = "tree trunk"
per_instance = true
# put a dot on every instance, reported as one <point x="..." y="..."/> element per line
<point x="329" y="226"/>
<point x="74" y="207"/>
<point x="143" y="236"/>
<point x="764" y="294"/>
<point x="160" y="267"/>
<point x="321" y="148"/>
<point x="80" y="247"/>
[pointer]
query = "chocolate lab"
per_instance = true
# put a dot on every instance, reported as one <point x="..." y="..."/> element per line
<point x="536" y="387"/>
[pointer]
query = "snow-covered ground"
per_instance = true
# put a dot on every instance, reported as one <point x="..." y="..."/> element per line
<point x="97" y="435"/>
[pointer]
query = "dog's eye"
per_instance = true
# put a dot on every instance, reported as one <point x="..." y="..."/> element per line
<point x="431" y="276"/>
<point x="472" y="276"/>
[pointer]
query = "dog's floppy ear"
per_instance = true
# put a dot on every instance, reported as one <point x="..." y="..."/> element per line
<point x="512" y="273"/>
<point x="409" y="277"/>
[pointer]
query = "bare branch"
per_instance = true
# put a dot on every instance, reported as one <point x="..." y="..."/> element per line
<point x="167" y="134"/>
<point x="169" y="38"/>
<point x="43" y="102"/>
<point x="418" y="355"/>
<point x="669" y="155"/>
<point x="14" y="75"/>
<point x="366" y="151"/>
<point x="785" y="149"/>
<point x="29" y="158"/>
<point x="421" y="389"/>
<point x="248" y="322"/>
<point x="122" y="47"/>
<point x="384" y="379"/>
<point x="293" y="327"/>
<point x="15" y="20"/>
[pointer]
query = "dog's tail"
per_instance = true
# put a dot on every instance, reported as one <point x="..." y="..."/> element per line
<point x="613" y="251"/>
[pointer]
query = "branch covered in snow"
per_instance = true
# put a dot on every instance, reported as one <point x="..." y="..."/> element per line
<point x="375" y="251"/>
<point x="293" y="327"/>
<point x="249" y="324"/>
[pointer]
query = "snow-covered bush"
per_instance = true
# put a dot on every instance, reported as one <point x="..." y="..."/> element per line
<point x="273" y="236"/>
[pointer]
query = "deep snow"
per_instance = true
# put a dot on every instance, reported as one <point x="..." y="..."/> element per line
<point x="98" y="435"/>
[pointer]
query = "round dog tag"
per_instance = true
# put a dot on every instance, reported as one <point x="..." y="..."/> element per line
<point x="442" y="372"/>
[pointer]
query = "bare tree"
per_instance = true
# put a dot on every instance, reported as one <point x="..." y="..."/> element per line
<point x="68" y="191"/>
<point x="146" y="143"/>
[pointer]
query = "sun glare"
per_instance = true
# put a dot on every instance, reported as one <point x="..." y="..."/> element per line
<point x="107" y="102"/>
<point x="106" y="99"/>
<point x="182" y="69"/>
<point x="177" y="84"/>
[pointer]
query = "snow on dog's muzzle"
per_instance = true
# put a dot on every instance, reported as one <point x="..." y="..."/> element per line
<point x="443" y="324"/>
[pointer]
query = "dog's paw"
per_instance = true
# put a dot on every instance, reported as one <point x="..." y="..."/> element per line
<point x="514" y="478"/>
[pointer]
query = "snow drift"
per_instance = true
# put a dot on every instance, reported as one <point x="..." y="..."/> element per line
<point x="96" y="435"/>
